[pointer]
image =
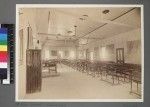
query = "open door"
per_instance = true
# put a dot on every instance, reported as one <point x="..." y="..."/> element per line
<point x="120" y="55"/>
<point x="34" y="71"/>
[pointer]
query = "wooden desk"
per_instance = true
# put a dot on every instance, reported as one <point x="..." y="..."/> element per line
<point x="52" y="68"/>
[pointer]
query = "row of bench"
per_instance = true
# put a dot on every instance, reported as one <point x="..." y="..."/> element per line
<point x="111" y="72"/>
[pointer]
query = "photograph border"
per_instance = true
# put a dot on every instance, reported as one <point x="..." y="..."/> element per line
<point x="78" y="6"/>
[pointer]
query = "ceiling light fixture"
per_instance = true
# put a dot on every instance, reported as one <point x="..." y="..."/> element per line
<point x="69" y="32"/>
<point x="105" y="11"/>
<point x="38" y="41"/>
<point x="85" y="15"/>
<point x="82" y="18"/>
<point x="75" y="29"/>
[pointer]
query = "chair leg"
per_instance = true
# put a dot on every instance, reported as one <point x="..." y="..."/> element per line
<point x="113" y="78"/>
<point x="137" y="87"/>
<point x="131" y="85"/>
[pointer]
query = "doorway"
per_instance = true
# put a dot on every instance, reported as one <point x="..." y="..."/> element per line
<point x="120" y="55"/>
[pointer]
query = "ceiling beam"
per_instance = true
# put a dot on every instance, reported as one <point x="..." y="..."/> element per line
<point x="68" y="37"/>
<point x="117" y="23"/>
<point x="54" y="35"/>
<point x="60" y="45"/>
<point x="91" y="38"/>
<point x="61" y="40"/>
<point x="72" y="37"/>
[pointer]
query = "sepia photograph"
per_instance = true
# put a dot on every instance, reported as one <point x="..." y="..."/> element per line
<point x="79" y="53"/>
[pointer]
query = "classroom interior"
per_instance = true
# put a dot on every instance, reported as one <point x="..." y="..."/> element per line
<point x="79" y="53"/>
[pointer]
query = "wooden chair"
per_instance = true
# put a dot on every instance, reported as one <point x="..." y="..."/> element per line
<point x="136" y="78"/>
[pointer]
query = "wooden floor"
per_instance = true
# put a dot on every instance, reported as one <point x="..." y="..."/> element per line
<point x="72" y="84"/>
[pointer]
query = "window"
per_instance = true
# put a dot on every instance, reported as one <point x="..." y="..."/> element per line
<point x="103" y="53"/>
<point x="60" y="54"/>
<point x="72" y="54"/>
<point x="110" y="48"/>
<point x="91" y="56"/>
<point x="96" y="52"/>
<point x="66" y="53"/>
<point x="54" y="53"/>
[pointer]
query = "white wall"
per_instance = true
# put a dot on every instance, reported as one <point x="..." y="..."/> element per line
<point x="120" y="41"/>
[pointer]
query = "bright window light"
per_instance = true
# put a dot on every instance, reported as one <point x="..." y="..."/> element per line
<point x="72" y="54"/>
<point x="103" y="52"/>
<point x="47" y="54"/>
<point x="91" y="56"/>
<point x="60" y="54"/>
<point x="84" y="54"/>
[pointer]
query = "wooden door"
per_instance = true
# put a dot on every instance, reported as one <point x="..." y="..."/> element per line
<point x="34" y="71"/>
<point x="120" y="55"/>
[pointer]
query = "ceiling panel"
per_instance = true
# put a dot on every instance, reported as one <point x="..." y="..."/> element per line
<point x="60" y="21"/>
